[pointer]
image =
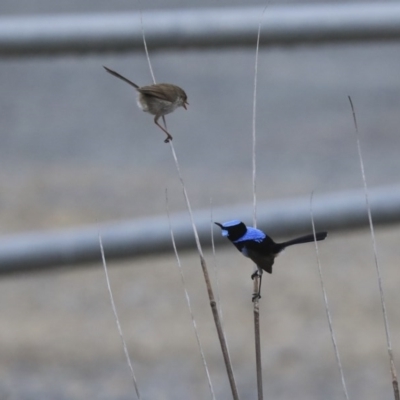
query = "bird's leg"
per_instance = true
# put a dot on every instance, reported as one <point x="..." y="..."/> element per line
<point x="259" y="273"/>
<point x="169" y="137"/>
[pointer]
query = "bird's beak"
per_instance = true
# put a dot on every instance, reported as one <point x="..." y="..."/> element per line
<point x="184" y="105"/>
<point x="224" y="232"/>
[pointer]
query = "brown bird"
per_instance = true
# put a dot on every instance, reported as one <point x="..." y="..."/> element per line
<point x="159" y="99"/>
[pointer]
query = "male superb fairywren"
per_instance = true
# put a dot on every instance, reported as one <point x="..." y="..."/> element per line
<point x="260" y="248"/>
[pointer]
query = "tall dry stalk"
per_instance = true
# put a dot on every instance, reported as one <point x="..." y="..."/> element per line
<point x="395" y="382"/>
<point x="114" y="308"/>
<point x="327" y="310"/>
<point x="257" y="278"/>
<point x="213" y="303"/>
<point x="188" y="302"/>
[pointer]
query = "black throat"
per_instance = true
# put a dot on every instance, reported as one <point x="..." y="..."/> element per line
<point x="236" y="232"/>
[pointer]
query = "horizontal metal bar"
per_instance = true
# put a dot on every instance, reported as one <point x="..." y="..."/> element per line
<point x="149" y="236"/>
<point x="201" y="28"/>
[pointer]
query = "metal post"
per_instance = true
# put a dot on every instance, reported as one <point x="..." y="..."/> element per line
<point x="201" y="28"/>
<point x="147" y="236"/>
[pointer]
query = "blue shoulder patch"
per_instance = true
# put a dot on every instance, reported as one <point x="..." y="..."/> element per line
<point x="252" y="234"/>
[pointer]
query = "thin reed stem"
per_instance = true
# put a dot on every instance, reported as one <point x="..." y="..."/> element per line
<point x="328" y="313"/>
<point x="213" y="303"/>
<point x="121" y="335"/>
<point x="257" y="279"/>
<point x="219" y="304"/>
<point x="145" y="45"/>
<point x="256" y="313"/>
<point x="377" y="265"/>
<point x="203" y="357"/>
<point x="215" y="263"/>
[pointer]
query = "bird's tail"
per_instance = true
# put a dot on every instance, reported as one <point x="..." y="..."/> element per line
<point x="110" y="71"/>
<point x="302" y="239"/>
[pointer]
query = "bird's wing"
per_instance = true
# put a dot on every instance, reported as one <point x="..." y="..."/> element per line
<point x="265" y="246"/>
<point x="159" y="91"/>
<point x="262" y="253"/>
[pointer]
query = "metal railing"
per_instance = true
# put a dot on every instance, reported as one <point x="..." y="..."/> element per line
<point x="149" y="236"/>
<point x="204" y="28"/>
<point x="198" y="28"/>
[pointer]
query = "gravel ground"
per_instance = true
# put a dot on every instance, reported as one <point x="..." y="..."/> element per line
<point x="74" y="149"/>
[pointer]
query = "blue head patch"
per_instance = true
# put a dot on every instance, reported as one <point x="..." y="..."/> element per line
<point x="229" y="224"/>
<point x="252" y="234"/>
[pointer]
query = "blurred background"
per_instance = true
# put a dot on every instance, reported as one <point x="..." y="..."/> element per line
<point x="75" y="150"/>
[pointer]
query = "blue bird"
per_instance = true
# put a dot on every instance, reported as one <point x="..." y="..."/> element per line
<point x="260" y="248"/>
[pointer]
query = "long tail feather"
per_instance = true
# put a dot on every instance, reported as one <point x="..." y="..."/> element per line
<point x="302" y="239"/>
<point x="110" y="71"/>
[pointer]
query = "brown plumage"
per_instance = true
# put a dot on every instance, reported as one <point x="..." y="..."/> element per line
<point x="159" y="99"/>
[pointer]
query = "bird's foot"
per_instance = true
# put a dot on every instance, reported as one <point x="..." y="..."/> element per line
<point x="256" y="273"/>
<point x="256" y="296"/>
<point x="169" y="137"/>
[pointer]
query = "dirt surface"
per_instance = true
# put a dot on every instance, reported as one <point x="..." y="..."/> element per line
<point x="59" y="339"/>
<point x="74" y="149"/>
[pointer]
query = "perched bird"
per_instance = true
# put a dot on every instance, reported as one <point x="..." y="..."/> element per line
<point x="260" y="248"/>
<point x="159" y="99"/>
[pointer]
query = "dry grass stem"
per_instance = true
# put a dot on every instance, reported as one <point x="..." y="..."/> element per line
<point x="378" y="268"/>
<point x="203" y="357"/>
<point x="213" y="303"/>
<point x="328" y="313"/>
<point x="219" y="305"/>
<point x="121" y="335"/>
<point x="257" y="279"/>
<point x="215" y="263"/>
<point x="145" y="46"/>
<point x="256" y="313"/>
